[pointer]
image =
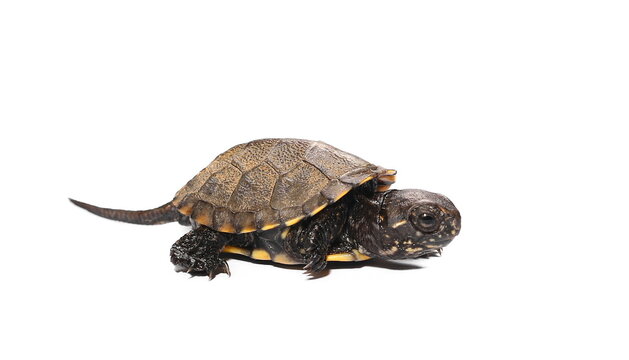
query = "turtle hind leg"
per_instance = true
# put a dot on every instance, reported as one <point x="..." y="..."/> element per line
<point x="198" y="252"/>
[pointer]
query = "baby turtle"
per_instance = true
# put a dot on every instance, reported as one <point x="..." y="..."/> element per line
<point x="297" y="201"/>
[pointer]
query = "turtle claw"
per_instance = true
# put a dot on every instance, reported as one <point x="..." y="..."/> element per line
<point x="221" y="268"/>
<point x="316" y="265"/>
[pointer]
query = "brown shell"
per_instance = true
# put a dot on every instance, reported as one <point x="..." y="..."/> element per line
<point x="271" y="182"/>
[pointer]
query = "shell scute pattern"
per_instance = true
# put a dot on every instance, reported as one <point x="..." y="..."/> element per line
<point x="251" y="155"/>
<point x="268" y="218"/>
<point x="260" y="181"/>
<point x="219" y="187"/>
<point x="201" y="178"/>
<point x="332" y="161"/>
<point x="291" y="215"/>
<point x="288" y="154"/>
<point x="264" y="183"/>
<point x="335" y="189"/>
<point x="297" y="186"/>
<point x="315" y="204"/>
<point x="223" y="220"/>
<point x="244" y="222"/>
<point x="203" y="213"/>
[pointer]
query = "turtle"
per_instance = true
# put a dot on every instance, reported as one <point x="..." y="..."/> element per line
<point x="296" y="202"/>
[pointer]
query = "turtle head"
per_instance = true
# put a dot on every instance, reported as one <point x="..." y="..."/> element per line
<point x="414" y="223"/>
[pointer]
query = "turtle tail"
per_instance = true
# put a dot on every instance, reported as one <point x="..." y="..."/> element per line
<point x="161" y="215"/>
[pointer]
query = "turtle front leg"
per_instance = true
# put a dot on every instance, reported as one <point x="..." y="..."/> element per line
<point x="199" y="252"/>
<point x="310" y="246"/>
<point x="310" y="239"/>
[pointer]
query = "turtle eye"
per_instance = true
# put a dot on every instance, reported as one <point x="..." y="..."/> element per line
<point x="425" y="219"/>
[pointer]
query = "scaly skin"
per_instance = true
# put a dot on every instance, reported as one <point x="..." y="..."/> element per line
<point x="376" y="224"/>
<point x="198" y="252"/>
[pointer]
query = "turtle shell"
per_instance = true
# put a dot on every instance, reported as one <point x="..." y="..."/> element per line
<point x="266" y="183"/>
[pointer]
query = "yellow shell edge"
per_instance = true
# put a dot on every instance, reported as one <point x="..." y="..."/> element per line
<point x="317" y="210"/>
<point x="386" y="179"/>
<point x="186" y="209"/>
<point x="203" y="219"/>
<point x="283" y="258"/>
<point x="341" y="257"/>
<point x="247" y="230"/>
<point x="360" y="256"/>
<point x="260" y="254"/>
<point x="382" y="188"/>
<point x="366" y="179"/>
<point x="269" y="226"/>
<point x="236" y="250"/>
<point x="341" y="195"/>
<point x="355" y="255"/>
<point x="294" y="221"/>
<point x="227" y="228"/>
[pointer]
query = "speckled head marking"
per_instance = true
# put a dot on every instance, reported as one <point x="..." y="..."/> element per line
<point x="413" y="223"/>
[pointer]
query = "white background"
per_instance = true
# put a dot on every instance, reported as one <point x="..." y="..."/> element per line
<point x="515" y="110"/>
